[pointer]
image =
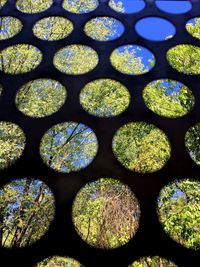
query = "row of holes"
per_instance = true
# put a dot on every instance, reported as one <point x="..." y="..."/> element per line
<point x="57" y="28"/>
<point x="165" y="97"/>
<point x="73" y="59"/>
<point x="67" y="147"/>
<point x="122" y="6"/>
<point x="105" y="212"/>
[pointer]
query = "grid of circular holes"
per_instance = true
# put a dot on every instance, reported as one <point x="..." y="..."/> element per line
<point x="59" y="261"/>
<point x="28" y="209"/>
<point x="33" y="6"/>
<point x="12" y="143"/>
<point x="41" y="97"/>
<point x="192" y="142"/>
<point x="106" y="213"/>
<point x="179" y="205"/>
<point x="104" y="28"/>
<point x="132" y="59"/>
<point x="104" y="98"/>
<point x="19" y="59"/>
<point x="168" y="98"/>
<point x="141" y="147"/>
<point x="123" y="11"/>
<point x="84" y="7"/>
<point x="155" y="29"/>
<point x="193" y="27"/>
<point x="53" y="28"/>
<point x="174" y="7"/>
<point x="68" y="147"/>
<point x="185" y="58"/>
<point x="73" y="59"/>
<point x="10" y="27"/>
<point x="154" y="261"/>
<point x="127" y="6"/>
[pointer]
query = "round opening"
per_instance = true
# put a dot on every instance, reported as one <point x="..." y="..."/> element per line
<point x="33" y="6"/>
<point x="68" y="147"/>
<point x="153" y="261"/>
<point x="10" y="27"/>
<point x="106" y="213"/>
<point x="41" y="97"/>
<point x="132" y="59"/>
<point x="141" y="147"/>
<point x="19" y="59"/>
<point x="12" y="143"/>
<point x="27" y="209"/>
<point x="174" y="7"/>
<point x="185" y="58"/>
<point x="178" y="208"/>
<point x="105" y="98"/>
<point x="104" y="28"/>
<point x="168" y="98"/>
<point x="73" y="59"/>
<point x="80" y="7"/>
<point x="53" y="28"/>
<point x="127" y="6"/>
<point x="58" y="261"/>
<point x="193" y="27"/>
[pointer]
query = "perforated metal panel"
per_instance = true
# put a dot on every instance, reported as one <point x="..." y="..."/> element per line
<point x="62" y="238"/>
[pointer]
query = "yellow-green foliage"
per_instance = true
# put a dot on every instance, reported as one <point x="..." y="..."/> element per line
<point x="10" y="26"/>
<point x="33" y="6"/>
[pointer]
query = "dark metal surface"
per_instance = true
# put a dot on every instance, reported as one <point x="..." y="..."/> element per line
<point x="62" y="239"/>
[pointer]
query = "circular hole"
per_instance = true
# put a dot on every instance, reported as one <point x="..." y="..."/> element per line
<point x="73" y="59"/>
<point x="185" y="58"/>
<point x="178" y="208"/>
<point x="105" y="98"/>
<point x="53" y="28"/>
<point x="155" y="29"/>
<point x="33" y="6"/>
<point x="132" y="59"/>
<point x="10" y="26"/>
<point x="154" y="261"/>
<point x="141" y="147"/>
<point x="41" y="97"/>
<point x="19" y="59"/>
<point x="12" y="143"/>
<point x="68" y="147"/>
<point x="80" y="7"/>
<point x="58" y="261"/>
<point x="168" y="98"/>
<point x="104" y="28"/>
<point x="174" y="7"/>
<point x="192" y="142"/>
<point x="27" y="209"/>
<point x="106" y="213"/>
<point x="2" y="3"/>
<point x="193" y="27"/>
<point x="127" y="6"/>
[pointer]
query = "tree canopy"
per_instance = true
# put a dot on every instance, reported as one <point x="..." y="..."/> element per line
<point x="104" y="28"/>
<point x="154" y="261"/>
<point x="106" y="213"/>
<point x="12" y="143"/>
<point x="80" y="6"/>
<point x="20" y="58"/>
<point x="179" y="212"/>
<point x="9" y="27"/>
<point x="58" y="261"/>
<point x="33" y="6"/>
<point x="68" y="147"/>
<point x="53" y="28"/>
<point x="192" y="142"/>
<point x="185" y="58"/>
<point x="73" y="59"/>
<point x="141" y="147"/>
<point x="193" y="27"/>
<point x="129" y="59"/>
<point x="41" y="97"/>
<point x="104" y="98"/>
<point x="26" y="211"/>
<point x="168" y="98"/>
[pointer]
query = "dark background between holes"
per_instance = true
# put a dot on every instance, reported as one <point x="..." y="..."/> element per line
<point x="61" y="239"/>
